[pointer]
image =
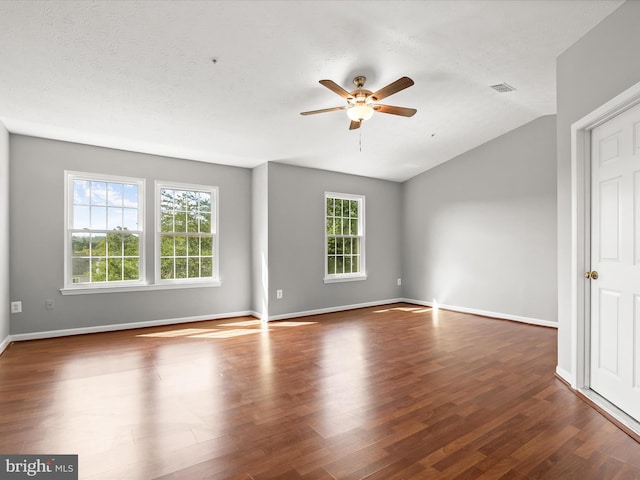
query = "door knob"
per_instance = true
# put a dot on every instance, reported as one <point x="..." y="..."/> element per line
<point x="592" y="275"/>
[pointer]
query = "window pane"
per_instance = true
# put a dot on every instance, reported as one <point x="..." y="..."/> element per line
<point x="130" y="196"/>
<point x="337" y="207"/>
<point x="166" y="222"/>
<point x="81" y="244"/>
<point x="354" y="226"/>
<point x="347" y="264"/>
<point x="131" y="245"/>
<point x="114" y="241"/>
<point x="345" y="227"/>
<point x="337" y="227"/>
<point x="339" y="264"/>
<point x="331" y="246"/>
<point x="99" y="193"/>
<point x="206" y="265"/>
<point x="131" y="267"/>
<point x="130" y="219"/>
<point x="329" y="207"/>
<point x="331" y="267"/>
<point x="80" y="270"/>
<point x="181" y="222"/>
<point x="355" y="246"/>
<point x="166" y="246"/>
<point x="339" y="246"/>
<point x="114" y="218"/>
<point x="194" y="246"/>
<point x="345" y="208"/>
<point x="115" y="269"/>
<point x="81" y="192"/>
<point x="194" y="267"/>
<point x="192" y="222"/>
<point x="205" y="223"/>
<point x="179" y="200"/>
<point x="81" y="217"/>
<point x="355" y="264"/>
<point x="205" y="202"/>
<point x="114" y="194"/>
<point x="347" y="245"/>
<point x="206" y="246"/>
<point x="98" y="245"/>
<point x="166" y="268"/>
<point x="181" y="268"/>
<point x="98" y="218"/>
<point x="98" y="269"/>
<point x="166" y="200"/>
<point x="181" y="246"/>
<point x="353" y="209"/>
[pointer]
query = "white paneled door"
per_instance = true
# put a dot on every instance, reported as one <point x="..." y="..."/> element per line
<point x="615" y="256"/>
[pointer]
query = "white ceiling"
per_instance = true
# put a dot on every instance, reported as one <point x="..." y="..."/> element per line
<point x="138" y="75"/>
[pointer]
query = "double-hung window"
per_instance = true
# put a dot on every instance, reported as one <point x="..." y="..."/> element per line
<point x="344" y="237"/>
<point x="104" y="231"/>
<point x="187" y="241"/>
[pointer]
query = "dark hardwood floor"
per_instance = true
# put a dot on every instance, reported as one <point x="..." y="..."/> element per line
<point x="395" y="392"/>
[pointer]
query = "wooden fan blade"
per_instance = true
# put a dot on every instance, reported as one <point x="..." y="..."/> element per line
<point x="334" y="87"/>
<point x="333" y="109"/>
<point x="402" y="111"/>
<point x="354" y="125"/>
<point x="395" y="87"/>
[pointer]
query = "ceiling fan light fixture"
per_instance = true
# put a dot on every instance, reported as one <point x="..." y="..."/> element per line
<point x="360" y="112"/>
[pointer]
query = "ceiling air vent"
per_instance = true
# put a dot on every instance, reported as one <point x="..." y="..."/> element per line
<point x="503" y="88"/>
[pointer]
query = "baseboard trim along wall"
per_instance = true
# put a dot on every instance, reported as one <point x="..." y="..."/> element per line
<point x="484" y="313"/>
<point x="171" y="321"/>
<point x="565" y="377"/>
<point x="122" y="326"/>
<point x="341" y="308"/>
<point x="5" y="343"/>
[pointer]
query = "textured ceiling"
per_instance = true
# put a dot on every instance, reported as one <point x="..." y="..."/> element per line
<point x="138" y="75"/>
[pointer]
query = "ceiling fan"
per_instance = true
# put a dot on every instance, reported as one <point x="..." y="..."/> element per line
<point x="362" y="103"/>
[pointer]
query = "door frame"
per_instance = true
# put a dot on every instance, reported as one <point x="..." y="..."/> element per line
<point x="581" y="232"/>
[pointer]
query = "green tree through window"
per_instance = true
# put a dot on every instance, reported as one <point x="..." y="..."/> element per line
<point x="105" y="229"/>
<point x="186" y="236"/>
<point x="344" y="220"/>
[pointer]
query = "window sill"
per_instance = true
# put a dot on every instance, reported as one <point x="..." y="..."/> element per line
<point x="344" y="278"/>
<point x="136" y="288"/>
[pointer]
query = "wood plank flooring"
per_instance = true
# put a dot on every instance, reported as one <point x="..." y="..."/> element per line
<point x="394" y="392"/>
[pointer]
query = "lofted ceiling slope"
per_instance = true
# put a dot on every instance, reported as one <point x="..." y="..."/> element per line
<point x="139" y="75"/>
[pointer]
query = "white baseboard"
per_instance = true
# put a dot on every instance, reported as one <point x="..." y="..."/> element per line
<point x="124" y="326"/>
<point x="5" y="343"/>
<point x="341" y="308"/>
<point x="566" y="376"/>
<point x="485" y="313"/>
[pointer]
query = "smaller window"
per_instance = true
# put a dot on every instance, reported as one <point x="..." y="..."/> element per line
<point x="344" y="237"/>
<point x="187" y="239"/>
<point x="104" y="231"/>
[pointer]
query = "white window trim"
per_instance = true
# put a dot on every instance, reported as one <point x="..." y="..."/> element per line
<point x="71" y="288"/>
<point x="346" y="277"/>
<point x="187" y="282"/>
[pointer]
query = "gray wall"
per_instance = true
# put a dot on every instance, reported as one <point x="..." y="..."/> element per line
<point x="36" y="236"/>
<point x="601" y="65"/>
<point x="296" y="239"/>
<point x="479" y="231"/>
<point x="260" y="240"/>
<point x="5" y="253"/>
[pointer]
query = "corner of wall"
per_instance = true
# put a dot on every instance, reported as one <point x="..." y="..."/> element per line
<point x="4" y="239"/>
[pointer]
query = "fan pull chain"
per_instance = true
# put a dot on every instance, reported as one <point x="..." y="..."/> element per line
<point x="360" y="138"/>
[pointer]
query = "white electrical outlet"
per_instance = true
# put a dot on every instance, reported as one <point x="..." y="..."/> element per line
<point x="278" y="294"/>
<point x="16" y="307"/>
<point x="399" y="281"/>
<point x="50" y="304"/>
